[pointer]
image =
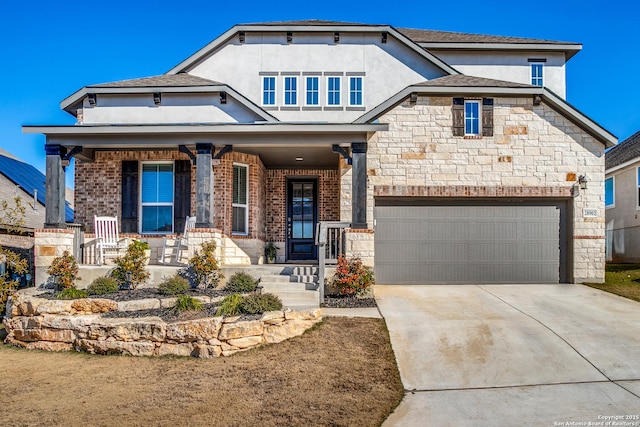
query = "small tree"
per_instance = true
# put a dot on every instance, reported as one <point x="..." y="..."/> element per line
<point x="13" y="217"/>
<point x="15" y="265"/>
<point x="352" y="277"/>
<point x="203" y="266"/>
<point x="65" y="268"/>
<point x="133" y="262"/>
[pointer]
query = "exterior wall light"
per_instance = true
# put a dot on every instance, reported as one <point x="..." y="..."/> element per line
<point x="583" y="180"/>
<point x="157" y="98"/>
<point x="92" y="99"/>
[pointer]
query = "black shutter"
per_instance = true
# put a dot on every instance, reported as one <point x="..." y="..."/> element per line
<point x="458" y="116"/>
<point x="487" y="117"/>
<point x="181" y="194"/>
<point x="129" y="196"/>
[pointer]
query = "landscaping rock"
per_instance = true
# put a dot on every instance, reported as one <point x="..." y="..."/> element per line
<point x="194" y="330"/>
<point x="142" y="304"/>
<point x="273" y="317"/>
<point x="151" y="328"/>
<point x="51" y="306"/>
<point x="291" y="328"/>
<point x="79" y="323"/>
<point x="166" y="349"/>
<point x="303" y="315"/>
<point x="135" y="348"/>
<point x="240" y="330"/>
<point x="246" y="342"/>
<point x="53" y="335"/>
<point x="94" y="305"/>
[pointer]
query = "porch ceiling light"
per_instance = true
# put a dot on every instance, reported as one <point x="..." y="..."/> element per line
<point x="299" y="159"/>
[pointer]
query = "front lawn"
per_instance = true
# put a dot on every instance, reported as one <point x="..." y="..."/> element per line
<point x="621" y="279"/>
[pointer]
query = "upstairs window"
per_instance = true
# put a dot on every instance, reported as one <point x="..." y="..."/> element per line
<point x="536" y="74"/>
<point x="157" y="198"/>
<point x="290" y="91"/>
<point x="609" y="192"/>
<point x="268" y="91"/>
<point x="472" y="117"/>
<point x="333" y="91"/>
<point x="355" y="91"/>
<point x="240" y="203"/>
<point x="312" y="91"/>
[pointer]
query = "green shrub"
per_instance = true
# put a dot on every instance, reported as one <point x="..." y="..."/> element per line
<point x="174" y="285"/>
<point x="134" y="262"/>
<point x="352" y="276"/>
<point x="230" y="305"/>
<point x="203" y="267"/>
<point x="103" y="286"/>
<point x="65" y="268"/>
<point x="259" y="303"/>
<point x="242" y="282"/>
<point x="71" y="293"/>
<point x="15" y="265"/>
<point x="187" y="303"/>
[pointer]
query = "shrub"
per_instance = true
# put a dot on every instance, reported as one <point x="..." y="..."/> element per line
<point x="103" y="286"/>
<point x="71" y="293"/>
<point x="66" y="269"/>
<point x="203" y="266"/>
<point x="352" y="277"/>
<point x="242" y="282"/>
<point x="187" y="303"/>
<point x="230" y="305"/>
<point x="133" y="262"/>
<point x="15" y="266"/>
<point x="174" y="285"/>
<point x="259" y="303"/>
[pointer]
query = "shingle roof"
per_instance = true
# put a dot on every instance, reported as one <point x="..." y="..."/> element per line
<point x="304" y="22"/>
<point x="29" y="179"/>
<point x="165" y="80"/>
<point x="627" y="150"/>
<point x="462" y="80"/>
<point x="433" y="36"/>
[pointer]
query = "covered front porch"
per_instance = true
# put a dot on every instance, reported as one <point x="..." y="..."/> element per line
<point x="253" y="185"/>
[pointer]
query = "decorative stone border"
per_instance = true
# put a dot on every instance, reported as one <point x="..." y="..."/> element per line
<point x="65" y="325"/>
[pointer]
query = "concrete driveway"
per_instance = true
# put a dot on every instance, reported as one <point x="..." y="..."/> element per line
<point x="485" y="355"/>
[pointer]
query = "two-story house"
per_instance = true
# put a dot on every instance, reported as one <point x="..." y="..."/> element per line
<point x="454" y="157"/>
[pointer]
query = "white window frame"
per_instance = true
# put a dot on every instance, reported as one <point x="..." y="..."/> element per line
<point x="307" y="90"/>
<point x="613" y="192"/>
<point x="539" y="78"/>
<point x="286" y="91"/>
<point x="141" y="204"/>
<point x="274" y="90"/>
<point x="351" y="90"/>
<point x="339" y="91"/>
<point x="478" y="102"/>
<point x="241" y="205"/>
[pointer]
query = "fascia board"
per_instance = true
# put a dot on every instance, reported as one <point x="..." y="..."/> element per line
<point x="569" y="49"/>
<point x="196" y="57"/>
<point x="262" y="128"/>
<point x="632" y="162"/>
<point x="76" y="97"/>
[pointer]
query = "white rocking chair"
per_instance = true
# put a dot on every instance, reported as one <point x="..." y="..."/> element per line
<point x="173" y="247"/>
<point x="108" y="241"/>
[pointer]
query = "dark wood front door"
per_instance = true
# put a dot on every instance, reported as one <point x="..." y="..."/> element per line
<point x="302" y="216"/>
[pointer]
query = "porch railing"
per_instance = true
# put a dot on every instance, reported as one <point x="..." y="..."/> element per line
<point x="78" y="241"/>
<point x="331" y="244"/>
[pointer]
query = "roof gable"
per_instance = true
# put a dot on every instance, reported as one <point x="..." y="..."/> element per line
<point x="626" y="151"/>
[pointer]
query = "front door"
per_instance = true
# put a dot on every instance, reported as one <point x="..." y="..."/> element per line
<point x="302" y="216"/>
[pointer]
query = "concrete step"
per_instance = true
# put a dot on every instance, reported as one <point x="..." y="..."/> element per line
<point x="299" y="294"/>
<point x="304" y="270"/>
<point x="288" y="286"/>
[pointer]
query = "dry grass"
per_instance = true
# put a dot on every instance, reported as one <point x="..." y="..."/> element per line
<point x="621" y="279"/>
<point x="341" y="373"/>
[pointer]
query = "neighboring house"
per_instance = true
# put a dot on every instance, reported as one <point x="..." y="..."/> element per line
<point x="454" y="157"/>
<point x="622" y="201"/>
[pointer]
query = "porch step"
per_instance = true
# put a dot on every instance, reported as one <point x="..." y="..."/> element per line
<point x="297" y="286"/>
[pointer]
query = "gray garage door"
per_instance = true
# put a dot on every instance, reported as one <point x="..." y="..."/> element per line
<point x="480" y="242"/>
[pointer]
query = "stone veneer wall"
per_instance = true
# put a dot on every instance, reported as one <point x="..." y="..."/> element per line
<point x="49" y="244"/>
<point x="532" y="147"/>
<point x="65" y="325"/>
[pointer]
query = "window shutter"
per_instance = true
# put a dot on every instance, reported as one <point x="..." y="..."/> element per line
<point x="487" y="117"/>
<point x="129" y="215"/>
<point x="458" y="116"/>
<point x="182" y="194"/>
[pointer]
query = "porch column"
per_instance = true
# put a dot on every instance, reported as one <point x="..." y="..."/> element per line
<point x="55" y="186"/>
<point x="204" y="185"/>
<point x="359" y="185"/>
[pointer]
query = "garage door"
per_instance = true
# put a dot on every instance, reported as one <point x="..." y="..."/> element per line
<point x="481" y="242"/>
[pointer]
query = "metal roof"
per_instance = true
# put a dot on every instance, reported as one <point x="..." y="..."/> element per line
<point x="29" y="179"/>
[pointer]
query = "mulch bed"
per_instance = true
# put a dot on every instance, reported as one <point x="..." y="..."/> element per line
<point x="344" y="301"/>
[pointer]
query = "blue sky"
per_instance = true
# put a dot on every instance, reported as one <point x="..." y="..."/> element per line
<point x="51" y="49"/>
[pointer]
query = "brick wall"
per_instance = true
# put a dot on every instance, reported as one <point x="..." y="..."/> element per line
<point x="276" y="188"/>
